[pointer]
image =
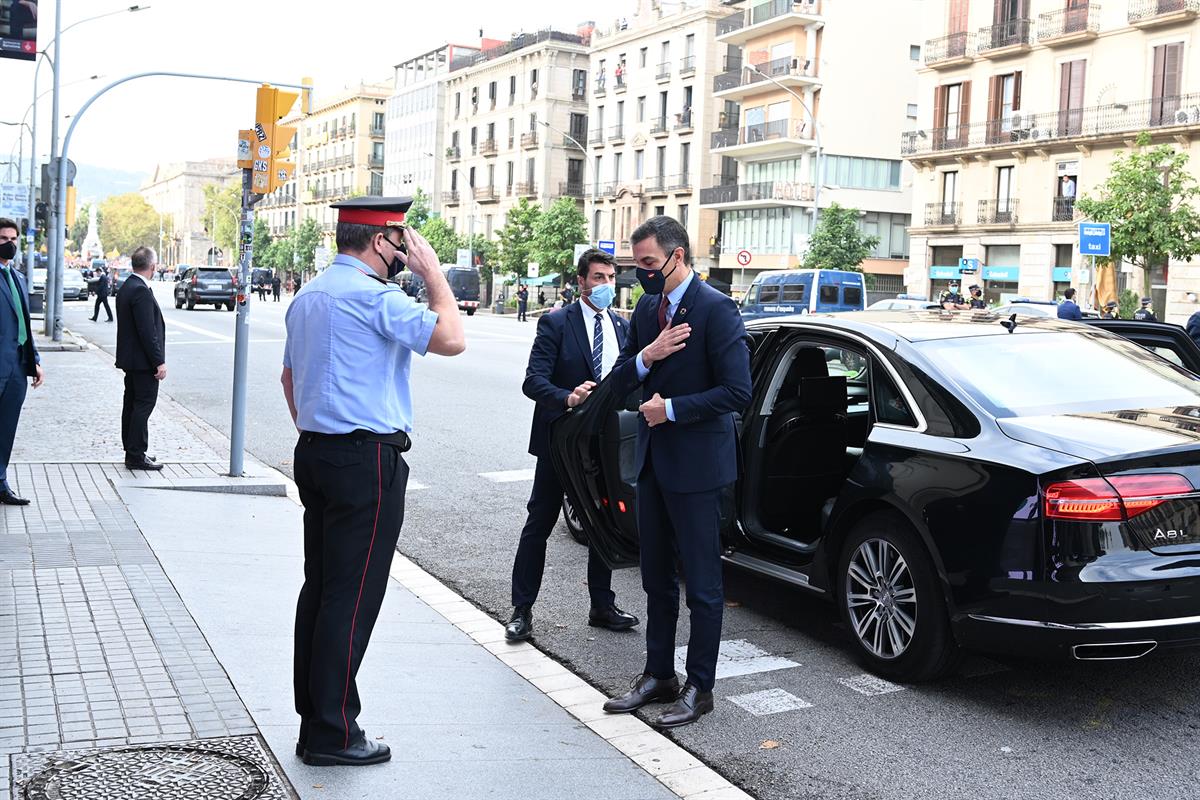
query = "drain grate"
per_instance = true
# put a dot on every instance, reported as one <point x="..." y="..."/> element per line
<point x="233" y="768"/>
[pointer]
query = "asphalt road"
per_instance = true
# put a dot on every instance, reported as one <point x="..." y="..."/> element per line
<point x="1029" y="730"/>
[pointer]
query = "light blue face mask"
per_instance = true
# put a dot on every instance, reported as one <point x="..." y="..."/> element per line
<point x="602" y="296"/>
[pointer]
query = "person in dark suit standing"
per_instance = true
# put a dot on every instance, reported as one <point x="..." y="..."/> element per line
<point x="102" y="293"/>
<point x="574" y="349"/>
<point x="522" y="302"/>
<point x="19" y="357"/>
<point x="276" y="286"/>
<point x="141" y="352"/>
<point x="688" y="349"/>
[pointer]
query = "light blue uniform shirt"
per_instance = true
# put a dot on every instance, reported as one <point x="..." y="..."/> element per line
<point x="350" y="341"/>
<point x="673" y="299"/>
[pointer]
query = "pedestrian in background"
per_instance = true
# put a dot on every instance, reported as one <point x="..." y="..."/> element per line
<point x="522" y="302"/>
<point x="541" y="298"/>
<point x="142" y="354"/>
<point x="976" y="302"/>
<point x="1068" y="309"/>
<point x="354" y="426"/>
<point x="276" y="284"/>
<point x="102" y="292"/>
<point x="1111" y="310"/>
<point x="1145" y="313"/>
<point x="688" y="350"/>
<point x="19" y="359"/>
<point x="575" y="349"/>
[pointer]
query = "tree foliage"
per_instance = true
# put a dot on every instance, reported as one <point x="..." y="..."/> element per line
<point x="485" y="253"/>
<point x="1148" y="198"/>
<point x="442" y="238"/>
<point x="517" y="237"/>
<point x="838" y="241"/>
<point x="127" y="222"/>
<point x="223" y="209"/>
<point x="555" y="234"/>
<point x="78" y="231"/>
<point x="418" y="212"/>
<point x="261" y="244"/>
<point x="304" y="240"/>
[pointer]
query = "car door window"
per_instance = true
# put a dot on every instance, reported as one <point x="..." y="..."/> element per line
<point x="769" y="293"/>
<point x="886" y="401"/>
<point x="829" y="294"/>
<point x="1167" y="353"/>
<point x="793" y="293"/>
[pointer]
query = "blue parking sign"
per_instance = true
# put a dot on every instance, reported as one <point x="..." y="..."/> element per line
<point x="1095" y="238"/>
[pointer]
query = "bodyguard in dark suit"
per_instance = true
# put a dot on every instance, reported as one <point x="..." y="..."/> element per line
<point x="19" y="358"/>
<point x="102" y="283"/>
<point x="575" y="348"/>
<point x="689" y="351"/>
<point x="141" y="352"/>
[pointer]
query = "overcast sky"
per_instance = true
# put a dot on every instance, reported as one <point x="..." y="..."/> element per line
<point x="152" y="120"/>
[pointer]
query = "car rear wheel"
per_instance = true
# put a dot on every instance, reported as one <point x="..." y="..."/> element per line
<point x="470" y="312"/>
<point x="191" y="303"/>
<point x="178" y="303"/>
<point x="572" y="519"/>
<point x="891" y="600"/>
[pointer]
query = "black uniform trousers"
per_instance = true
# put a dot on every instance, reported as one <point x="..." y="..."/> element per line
<point x="102" y="300"/>
<point x="545" y="502"/>
<point x="141" y="394"/>
<point x="687" y="527"/>
<point x="12" y="398"/>
<point x="353" y="495"/>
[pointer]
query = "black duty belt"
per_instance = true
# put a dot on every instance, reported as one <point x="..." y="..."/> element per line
<point x="400" y="439"/>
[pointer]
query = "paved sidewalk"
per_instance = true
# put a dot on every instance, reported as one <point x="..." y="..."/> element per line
<point x="145" y="643"/>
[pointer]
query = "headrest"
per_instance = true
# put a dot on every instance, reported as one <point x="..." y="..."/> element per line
<point x="823" y="394"/>
<point x="809" y="363"/>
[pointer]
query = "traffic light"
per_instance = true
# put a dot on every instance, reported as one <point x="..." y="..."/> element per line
<point x="270" y="143"/>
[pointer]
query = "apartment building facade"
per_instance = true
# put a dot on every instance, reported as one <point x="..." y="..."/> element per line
<point x="415" y="129"/>
<point x="802" y="82"/>
<point x="649" y="121"/>
<point x="176" y="192"/>
<point x="339" y="153"/>
<point x="509" y="118"/>
<point x="1024" y="105"/>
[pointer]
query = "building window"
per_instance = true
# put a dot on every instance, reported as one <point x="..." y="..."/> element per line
<point x="641" y="109"/>
<point x="1165" y="84"/>
<point x="949" y="192"/>
<point x="512" y="90"/>
<point x="852" y="172"/>
<point x="642" y="56"/>
<point x="1004" y="189"/>
<point x="914" y="52"/>
<point x="617" y="167"/>
<point x="911" y="112"/>
<point x="508" y="183"/>
<point x="1070" y="98"/>
<point x="639" y="164"/>
<point x="683" y="215"/>
<point x="579" y="83"/>
<point x="685" y="162"/>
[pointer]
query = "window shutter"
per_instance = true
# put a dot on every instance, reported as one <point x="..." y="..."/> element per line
<point x="1078" y="71"/>
<point x="964" y="111"/>
<point x="939" y="106"/>
<point x="1172" y="62"/>
<point x="1064" y="88"/>
<point x="995" y="98"/>
<point x="1016" y="91"/>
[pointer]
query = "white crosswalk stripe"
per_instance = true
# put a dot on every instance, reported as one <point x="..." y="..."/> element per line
<point x="870" y="685"/>
<point x="769" y="701"/>
<point x="508" y="476"/>
<point x="737" y="657"/>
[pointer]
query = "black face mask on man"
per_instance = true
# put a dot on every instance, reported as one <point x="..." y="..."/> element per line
<point x="655" y="281"/>
<point x="8" y="251"/>
<point x="395" y="266"/>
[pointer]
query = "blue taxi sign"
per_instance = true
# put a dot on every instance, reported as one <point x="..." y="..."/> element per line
<point x="1095" y="238"/>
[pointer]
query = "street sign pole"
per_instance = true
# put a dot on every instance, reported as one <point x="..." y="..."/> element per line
<point x="241" y="339"/>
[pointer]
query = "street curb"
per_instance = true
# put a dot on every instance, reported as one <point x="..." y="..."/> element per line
<point x="70" y="343"/>
<point x="258" y="487"/>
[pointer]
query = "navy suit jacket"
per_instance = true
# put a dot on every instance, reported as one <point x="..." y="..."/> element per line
<point x="13" y="357"/>
<point x="706" y="382"/>
<point x="1067" y="309"/>
<point x="560" y="360"/>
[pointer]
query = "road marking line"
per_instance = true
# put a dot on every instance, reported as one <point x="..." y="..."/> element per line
<point x="415" y="485"/>
<point x="870" y="685"/>
<point x="195" y="329"/>
<point x="508" y="476"/>
<point x="175" y="342"/>
<point x="769" y="701"/>
<point x="738" y="657"/>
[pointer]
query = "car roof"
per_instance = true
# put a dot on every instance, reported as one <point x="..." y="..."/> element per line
<point x="918" y="325"/>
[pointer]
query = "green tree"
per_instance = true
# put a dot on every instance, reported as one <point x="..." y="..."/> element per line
<point x="280" y="254"/>
<point x="1148" y="198"/>
<point x="262" y="244"/>
<point x="555" y="235"/>
<point x="517" y="237"/>
<point x="304" y="241"/>
<point x="78" y="231"/>
<point x="838" y="242"/>
<point x="127" y="222"/>
<point x="223" y="209"/>
<point x="442" y="238"/>
<point x="418" y="212"/>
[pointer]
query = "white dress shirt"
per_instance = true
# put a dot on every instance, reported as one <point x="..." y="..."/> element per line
<point x="610" y="349"/>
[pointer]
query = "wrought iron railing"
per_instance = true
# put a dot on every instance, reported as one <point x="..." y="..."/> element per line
<point x="1142" y="10"/>
<point x="687" y="66"/>
<point x="997" y="212"/>
<point x="570" y="189"/>
<point x="762" y="132"/>
<point x="942" y="214"/>
<point x="525" y="190"/>
<point x="750" y="192"/>
<point x="1003" y="34"/>
<point x="946" y="48"/>
<point x="488" y="147"/>
<point x="680" y="182"/>
<point x="486" y="194"/>
<point x="529" y="139"/>
<point x="450" y="198"/>
<point x="656" y="184"/>
<point x="683" y="121"/>
<point x="1068" y="21"/>
<point x="1064" y="209"/>
<point x="731" y="23"/>
<point x="659" y="126"/>
<point x="597" y="137"/>
<point x="664" y="71"/>
<point x="617" y="134"/>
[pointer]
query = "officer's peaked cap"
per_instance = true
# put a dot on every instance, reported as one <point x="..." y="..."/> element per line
<point x="383" y="212"/>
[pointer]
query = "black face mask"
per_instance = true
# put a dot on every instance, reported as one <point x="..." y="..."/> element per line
<point x="395" y="266"/>
<point x="8" y="251"/>
<point x="655" y="281"/>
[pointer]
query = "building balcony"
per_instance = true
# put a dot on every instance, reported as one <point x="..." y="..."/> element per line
<point x="659" y="127"/>
<point x="377" y="131"/>
<point x="792" y="72"/>
<point x="619" y="85"/>
<point x="608" y="189"/>
<point x="1004" y="38"/>
<point x="687" y="66"/>
<point x="767" y="18"/>
<point x="488" y="147"/>
<point x="663" y="73"/>
<point x="450" y="198"/>
<point x="997" y="212"/>
<point x="576" y="139"/>
<point x="596" y="139"/>
<point x="570" y="189"/>
<point x="375" y="162"/>
<point x="1112" y="122"/>
<point x="616" y="134"/>
<point x="763" y="141"/>
<point x="1070" y="25"/>
<point x="1063" y="210"/>
<point x="524" y="190"/>
<point x="683" y="122"/>
<point x="943" y="215"/>
<point x="1152" y="13"/>
<point x="950" y="51"/>
<point x="486" y="194"/>
<point x="655" y="185"/>
<point x="529" y="140"/>
<point x="453" y="153"/>
<point x="730" y="196"/>
<point x="599" y="91"/>
<point x="579" y="95"/>
<point x="679" y="183"/>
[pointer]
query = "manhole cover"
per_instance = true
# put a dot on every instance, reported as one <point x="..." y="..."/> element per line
<point x="220" y="769"/>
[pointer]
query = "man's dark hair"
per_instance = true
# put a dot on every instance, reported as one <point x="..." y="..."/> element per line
<point x="667" y="232"/>
<point x="1069" y="294"/>
<point x="142" y="258"/>
<point x="354" y="238"/>
<point x="5" y="222"/>
<point x="589" y="257"/>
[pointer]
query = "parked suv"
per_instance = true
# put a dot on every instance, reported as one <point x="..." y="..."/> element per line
<point x="203" y="285"/>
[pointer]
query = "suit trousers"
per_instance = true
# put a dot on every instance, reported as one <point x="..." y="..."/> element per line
<point x="141" y="394"/>
<point x="12" y="398"/>
<point x="99" y="302"/>
<point x="353" y="495"/>
<point x="545" y="502"/>
<point x="687" y="527"/>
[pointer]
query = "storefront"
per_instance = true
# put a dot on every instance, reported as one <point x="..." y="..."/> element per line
<point x="1001" y="273"/>
<point x="1062" y="281"/>
<point x="940" y="279"/>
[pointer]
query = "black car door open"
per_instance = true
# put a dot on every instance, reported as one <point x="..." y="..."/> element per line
<point x="1167" y="340"/>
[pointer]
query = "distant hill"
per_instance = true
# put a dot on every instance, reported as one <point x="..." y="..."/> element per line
<point x="97" y="183"/>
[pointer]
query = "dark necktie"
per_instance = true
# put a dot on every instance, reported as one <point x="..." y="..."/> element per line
<point x="22" y="335"/>
<point x="662" y="312"/>
<point x="597" y="346"/>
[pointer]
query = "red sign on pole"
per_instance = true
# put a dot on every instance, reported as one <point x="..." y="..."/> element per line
<point x="743" y="257"/>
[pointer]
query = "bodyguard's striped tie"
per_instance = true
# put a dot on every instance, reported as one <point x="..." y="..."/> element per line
<point x="597" y="346"/>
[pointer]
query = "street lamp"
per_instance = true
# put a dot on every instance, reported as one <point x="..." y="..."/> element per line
<point x="816" y="130"/>
<point x="31" y="128"/>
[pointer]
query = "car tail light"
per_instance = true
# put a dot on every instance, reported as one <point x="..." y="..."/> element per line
<point x="621" y="506"/>
<point x="1114" y="499"/>
<point x="195" y="280"/>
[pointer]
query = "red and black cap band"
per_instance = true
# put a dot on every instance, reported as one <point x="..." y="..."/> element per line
<point x="366" y="216"/>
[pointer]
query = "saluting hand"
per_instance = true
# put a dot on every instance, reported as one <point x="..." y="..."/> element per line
<point x="669" y="341"/>
<point x="654" y="410"/>
<point x="581" y="393"/>
<point x="421" y="258"/>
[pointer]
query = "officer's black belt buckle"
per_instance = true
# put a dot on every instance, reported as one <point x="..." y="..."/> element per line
<point x="398" y="439"/>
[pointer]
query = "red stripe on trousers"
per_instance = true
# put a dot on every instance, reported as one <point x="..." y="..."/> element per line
<point x="361" y="583"/>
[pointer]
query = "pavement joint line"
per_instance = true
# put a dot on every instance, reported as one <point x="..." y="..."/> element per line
<point x="675" y="768"/>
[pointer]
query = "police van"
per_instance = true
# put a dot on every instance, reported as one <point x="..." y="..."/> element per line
<point x="464" y="283"/>
<point x="804" y="291"/>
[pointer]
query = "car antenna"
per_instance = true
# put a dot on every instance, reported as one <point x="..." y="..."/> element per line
<point x="1010" y="324"/>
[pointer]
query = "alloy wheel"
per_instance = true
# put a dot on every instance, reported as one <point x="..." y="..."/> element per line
<point x="881" y="599"/>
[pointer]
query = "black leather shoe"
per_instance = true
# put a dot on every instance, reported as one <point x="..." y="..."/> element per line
<point x="646" y="689"/>
<point x="9" y="499"/>
<point x="612" y="618"/>
<point x="520" y="627"/>
<point x="143" y="463"/>
<point x="687" y="708"/>
<point x="359" y="754"/>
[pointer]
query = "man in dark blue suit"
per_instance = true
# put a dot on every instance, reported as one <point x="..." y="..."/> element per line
<point x="19" y="358"/>
<point x="689" y="351"/>
<point x="575" y="348"/>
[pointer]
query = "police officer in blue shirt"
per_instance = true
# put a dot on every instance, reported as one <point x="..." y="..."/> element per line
<point x="351" y="335"/>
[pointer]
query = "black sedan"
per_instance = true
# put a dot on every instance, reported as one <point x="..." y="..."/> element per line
<point x="951" y="481"/>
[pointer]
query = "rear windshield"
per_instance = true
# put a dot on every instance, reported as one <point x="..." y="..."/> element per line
<point x="1032" y="374"/>
<point x="215" y="274"/>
